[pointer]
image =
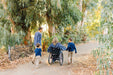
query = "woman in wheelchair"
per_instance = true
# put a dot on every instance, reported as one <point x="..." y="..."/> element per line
<point x="55" y="52"/>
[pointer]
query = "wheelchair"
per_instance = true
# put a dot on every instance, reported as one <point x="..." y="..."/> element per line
<point x="55" y="54"/>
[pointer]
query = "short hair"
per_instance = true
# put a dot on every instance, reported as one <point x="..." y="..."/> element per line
<point x="38" y="45"/>
<point x="40" y="28"/>
<point x="70" y="39"/>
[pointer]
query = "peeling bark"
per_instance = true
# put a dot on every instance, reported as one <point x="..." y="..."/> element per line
<point x="51" y="29"/>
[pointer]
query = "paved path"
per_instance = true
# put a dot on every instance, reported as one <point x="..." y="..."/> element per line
<point x="55" y="69"/>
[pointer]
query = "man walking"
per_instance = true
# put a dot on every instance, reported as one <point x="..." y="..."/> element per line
<point x="38" y="37"/>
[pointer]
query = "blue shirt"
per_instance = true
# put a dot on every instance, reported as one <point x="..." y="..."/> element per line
<point x="37" y="38"/>
<point x="71" y="47"/>
<point x="38" y="52"/>
<point x="58" y="45"/>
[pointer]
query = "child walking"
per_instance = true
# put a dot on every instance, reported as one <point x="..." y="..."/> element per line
<point x="70" y="48"/>
<point x="37" y="58"/>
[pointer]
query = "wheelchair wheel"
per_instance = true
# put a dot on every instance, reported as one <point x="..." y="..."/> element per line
<point x="50" y="58"/>
<point x="61" y="59"/>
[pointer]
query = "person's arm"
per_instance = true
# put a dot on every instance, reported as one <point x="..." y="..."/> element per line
<point x="35" y="52"/>
<point x="68" y="47"/>
<point x="62" y="47"/>
<point x="40" y="37"/>
<point x="35" y="39"/>
<point x="75" y="49"/>
<point x="40" y="52"/>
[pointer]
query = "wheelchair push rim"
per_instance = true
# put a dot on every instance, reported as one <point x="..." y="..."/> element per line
<point x="61" y="59"/>
<point x="50" y="58"/>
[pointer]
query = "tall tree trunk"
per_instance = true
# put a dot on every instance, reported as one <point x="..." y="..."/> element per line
<point x="84" y="11"/>
<point x="51" y="30"/>
<point x="28" y="38"/>
<point x="9" y="17"/>
<point x="81" y="5"/>
<point x="81" y="2"/>
<point x="85" y="14"/>
<point x="80" y="8"/>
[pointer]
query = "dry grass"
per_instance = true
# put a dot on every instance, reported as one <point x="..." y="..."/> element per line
<point x="5" y="63"/>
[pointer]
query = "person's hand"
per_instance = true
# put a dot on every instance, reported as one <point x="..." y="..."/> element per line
<point x="65" y="45"/>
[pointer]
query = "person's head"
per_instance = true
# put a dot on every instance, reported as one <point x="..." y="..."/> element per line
<point x="40" y="29"/>
<point x="70" y="40"/>
<point x="55" y="40"/>
<point x="38" y="45"/>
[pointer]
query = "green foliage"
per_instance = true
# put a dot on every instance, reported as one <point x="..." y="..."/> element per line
<point x="92" y="23"/>
<point x="92" y="14"/>
<point x="26" y="13"/>
<point x="104" y="53"/>
<point x="61" y="12"/>
<point x="46" y="40"/>
<point x="78" y="36"/>
<point x="8" y="39"/>
<point x="63" y="35"/>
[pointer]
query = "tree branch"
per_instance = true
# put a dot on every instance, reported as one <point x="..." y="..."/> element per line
<point x="5" y="7"/>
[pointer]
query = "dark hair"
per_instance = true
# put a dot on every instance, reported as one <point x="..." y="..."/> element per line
<point x="70" y="39"/>
<point x="40" y="28"/>
<point x="37" y="45"/>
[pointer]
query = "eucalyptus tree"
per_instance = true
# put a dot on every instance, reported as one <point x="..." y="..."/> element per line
<point x="85" y="6"/>
<point x="62" y="13"/>
<point x="57" y="12"/>
<point x="22" y="15"/>
<point x="104" y="53"/>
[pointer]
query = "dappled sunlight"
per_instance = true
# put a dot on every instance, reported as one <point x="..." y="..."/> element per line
<point x="28" y="28"/>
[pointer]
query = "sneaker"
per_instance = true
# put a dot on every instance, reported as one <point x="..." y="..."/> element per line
<point x="68" y="63"/>
<point x="40" y="62"/>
